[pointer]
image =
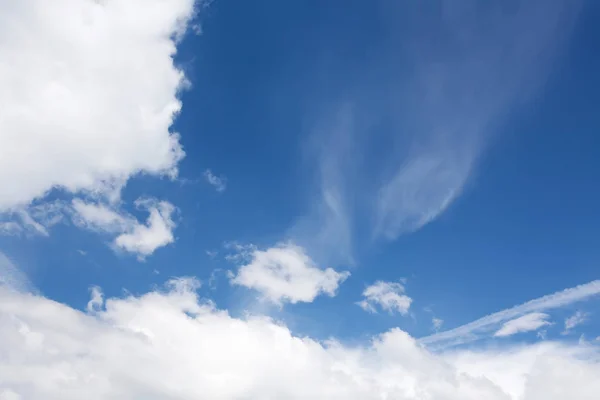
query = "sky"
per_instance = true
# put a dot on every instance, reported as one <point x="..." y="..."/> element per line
<point x="340" y="199"/>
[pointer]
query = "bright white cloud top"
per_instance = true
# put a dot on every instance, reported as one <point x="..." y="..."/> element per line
<point x="387" y="295"/>
<point x="285" y="273"/>
<point x="132" y="236"/>
<point x="172" y="345"/>
<point x="89" y="93"/>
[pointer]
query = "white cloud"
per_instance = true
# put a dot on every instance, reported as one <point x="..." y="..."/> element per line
<point x="170" y="345"/>
<point x="526" y="323"/>
<point x="100" y="217"/>
<point x="437" y="323"/>
<point x="157" y="232"/>
<point x="473" y="330"/>
<point x="285" y="273"/>
<point x="219" y="182"/>
<point x="387" y="295"/>
<point x="88" y="93"/>
<point x="574" y="320"/>
<point x="132" y="236"/>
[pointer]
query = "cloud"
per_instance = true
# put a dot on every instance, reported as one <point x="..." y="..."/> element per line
<point x="471" y="68"/>
<point x="10" y="228"/>
<point x="473" y="330"/>
<point x="285" y="273"/>
<point x="88" y="96"/>
<point x="169" y="344"/>
<point x="96" y="300"/>
<point x="19" y="221"/>
<point x="403" y="152"/>
<point x="326" y="230"/>
<point x="131" y="235"/>
<point x="387" y="295"/>
<point x="437" y="323"/>
<point x="219" y="182"/>
<point x="526" y="323"/>
<point x="574" y="320"/>
<point x="420" y="191"/>
<point x="12" y="277"/>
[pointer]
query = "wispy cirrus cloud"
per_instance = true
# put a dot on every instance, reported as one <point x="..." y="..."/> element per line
<point x="471" y="69"/>
<point x="484" y="326"/>
<point x="12" y="277"/>
<point x="454" y="74"/>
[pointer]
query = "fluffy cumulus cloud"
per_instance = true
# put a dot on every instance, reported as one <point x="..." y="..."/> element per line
<point x="131" y="235"/>
<point x="285" y="273"/>
<point x="526" y="323"/>
<point x="88" y="92"/>
<point x="170" y="344"/>
<point x="387" y="295"/>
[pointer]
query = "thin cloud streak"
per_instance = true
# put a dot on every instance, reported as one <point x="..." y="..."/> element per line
<point x="470" y="71"/>
<point x="12" y="277"/>
<point x="451" y="76"/>
<point x="474" y="330"/>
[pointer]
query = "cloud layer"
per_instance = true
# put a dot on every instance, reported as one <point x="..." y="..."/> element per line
<point x="172" y="345"/>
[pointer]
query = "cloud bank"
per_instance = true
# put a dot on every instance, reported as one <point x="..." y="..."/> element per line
<point x="169" y="344"/>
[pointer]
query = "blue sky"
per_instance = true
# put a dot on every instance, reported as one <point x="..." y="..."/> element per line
<point x="344" y="168"/>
